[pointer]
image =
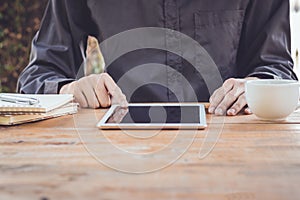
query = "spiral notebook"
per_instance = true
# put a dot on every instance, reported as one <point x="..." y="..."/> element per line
<point x="44" y="103"/>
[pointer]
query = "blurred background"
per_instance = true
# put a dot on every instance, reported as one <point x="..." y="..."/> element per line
<point x="20" y="19"/>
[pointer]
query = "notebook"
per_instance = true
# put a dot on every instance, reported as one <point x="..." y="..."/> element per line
<point x="45" y="103"/>
<point x="67" y="109"/>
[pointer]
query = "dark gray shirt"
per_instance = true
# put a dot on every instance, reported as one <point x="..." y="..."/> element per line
<point x="243" y="37"/>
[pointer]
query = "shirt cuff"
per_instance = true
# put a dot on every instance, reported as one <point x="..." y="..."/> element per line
<point x="264" y="75"/>
<point x="53" y="86"/>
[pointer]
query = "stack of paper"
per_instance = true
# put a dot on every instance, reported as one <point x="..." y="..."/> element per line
<point x="20" y="108"/>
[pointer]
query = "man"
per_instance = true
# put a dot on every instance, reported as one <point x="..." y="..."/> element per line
<point x="247" y="39"/>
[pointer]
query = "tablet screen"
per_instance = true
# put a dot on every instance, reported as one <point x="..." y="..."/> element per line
<point x="156" y="114"/>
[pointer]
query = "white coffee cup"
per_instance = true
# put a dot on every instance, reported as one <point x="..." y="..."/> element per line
<point x="272" y="99"/>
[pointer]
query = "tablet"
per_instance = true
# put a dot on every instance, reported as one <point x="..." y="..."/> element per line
<point x="155" y="116"/>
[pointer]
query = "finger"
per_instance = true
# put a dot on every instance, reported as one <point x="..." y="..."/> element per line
<point x="229" y="85"/>
<point x="228" y="100"/>
<point x="231" y="97"/>
<point x="247" y="111"/>
<point x="120" y="114"/>
<point x="219" y="95"/>
<point x="102" y="94"/>
<point x="69" y="88"/>
<point x="237" y="106"/>
<point x="86" y="86"/>
<point x="80" y="98"/>
<point x="214" y="100"/>
<point x="113" y="89"/>
<point x="120" y="100"/>
<point x="78" y="95"/>
<point x="91" y="98"/>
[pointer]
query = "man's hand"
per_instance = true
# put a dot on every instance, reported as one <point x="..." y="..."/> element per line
<point x="229" y="99"/>
<point x="94" y="91"/>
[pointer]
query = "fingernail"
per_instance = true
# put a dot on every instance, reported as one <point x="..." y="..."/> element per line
<point x="248" y="111"/>
<point x="211" y="109"/>
<point x="231" y="111"/>
<point x="219" y="111"/>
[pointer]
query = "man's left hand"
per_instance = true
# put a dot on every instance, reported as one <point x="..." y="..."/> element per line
<point x="229" y="99"/>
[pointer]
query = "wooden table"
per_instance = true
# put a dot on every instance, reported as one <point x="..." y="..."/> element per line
<point x="251" y="160"/>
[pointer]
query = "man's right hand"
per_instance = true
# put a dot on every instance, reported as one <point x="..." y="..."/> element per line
<point x="95" y="91"/>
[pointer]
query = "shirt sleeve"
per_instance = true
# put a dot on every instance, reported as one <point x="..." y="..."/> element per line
<point x="58" y="48"/>
<point x="266" y="41"/>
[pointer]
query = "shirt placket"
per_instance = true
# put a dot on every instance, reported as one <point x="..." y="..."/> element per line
<point x="173" y="42"/>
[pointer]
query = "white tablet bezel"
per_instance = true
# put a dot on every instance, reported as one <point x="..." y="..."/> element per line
<point x="201" y="125"/>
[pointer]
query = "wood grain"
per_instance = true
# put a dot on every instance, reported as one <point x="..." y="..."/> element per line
<point x="252" y="159"/>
